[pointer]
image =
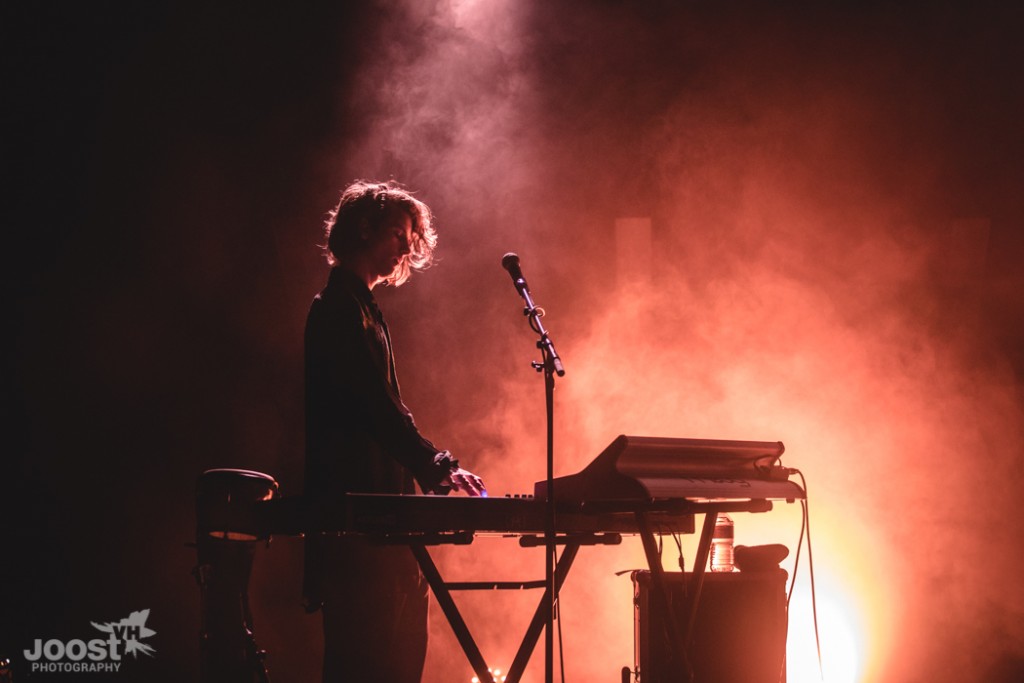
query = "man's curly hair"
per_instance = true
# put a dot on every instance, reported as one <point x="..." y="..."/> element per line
<point x="361" y="211"/>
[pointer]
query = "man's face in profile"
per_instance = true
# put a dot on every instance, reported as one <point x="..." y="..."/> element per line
<point x="391" y="243"/>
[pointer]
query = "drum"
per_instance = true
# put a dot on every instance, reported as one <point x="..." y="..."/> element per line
<point x="225" y="504"/>
<point x="227" y="528"/>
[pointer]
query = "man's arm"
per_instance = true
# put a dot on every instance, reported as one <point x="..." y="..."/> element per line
<point x="337" y="337"/>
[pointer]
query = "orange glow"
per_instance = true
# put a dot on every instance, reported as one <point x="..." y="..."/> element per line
<point x="816" y="276"/>
<point x="843" y="643"/>
<point x="800" y="222"/>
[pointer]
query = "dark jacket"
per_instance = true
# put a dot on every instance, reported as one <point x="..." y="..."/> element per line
<point x="360" y="437"/>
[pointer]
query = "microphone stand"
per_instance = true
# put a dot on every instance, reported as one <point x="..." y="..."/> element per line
<point x="550" y="365"/>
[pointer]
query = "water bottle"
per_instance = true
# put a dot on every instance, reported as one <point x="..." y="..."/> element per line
<point x="722" y="544"/>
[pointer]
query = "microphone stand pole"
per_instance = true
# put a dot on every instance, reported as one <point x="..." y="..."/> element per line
<point x="550" y="365"/>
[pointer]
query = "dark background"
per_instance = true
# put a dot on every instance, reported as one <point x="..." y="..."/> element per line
<point x="168" y="167"/>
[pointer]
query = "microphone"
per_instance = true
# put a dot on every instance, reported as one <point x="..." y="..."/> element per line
<point x="510" y="262"/>
<point x="552" y="363"/>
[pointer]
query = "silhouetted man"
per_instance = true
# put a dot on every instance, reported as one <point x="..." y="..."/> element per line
<point x="360" y="438"/>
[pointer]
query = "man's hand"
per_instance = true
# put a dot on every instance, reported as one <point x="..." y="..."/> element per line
<point x="464" y="480"/>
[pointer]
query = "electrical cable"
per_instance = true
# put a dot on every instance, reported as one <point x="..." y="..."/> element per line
<point x="561" y="649"/>
<point x="799" y="549"/>
<point x="796" y="569"/>
<point x="556" y="606"/>
<point x="810" y="567"/>
<point x="679" y="546"/>
<point x="805" y="531"/>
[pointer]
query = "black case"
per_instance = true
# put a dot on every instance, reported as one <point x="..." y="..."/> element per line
<point x="739" y="634"/>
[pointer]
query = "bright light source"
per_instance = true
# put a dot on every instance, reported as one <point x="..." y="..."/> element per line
<point x="496" y="676"/>
<point x="842" y="640"/>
